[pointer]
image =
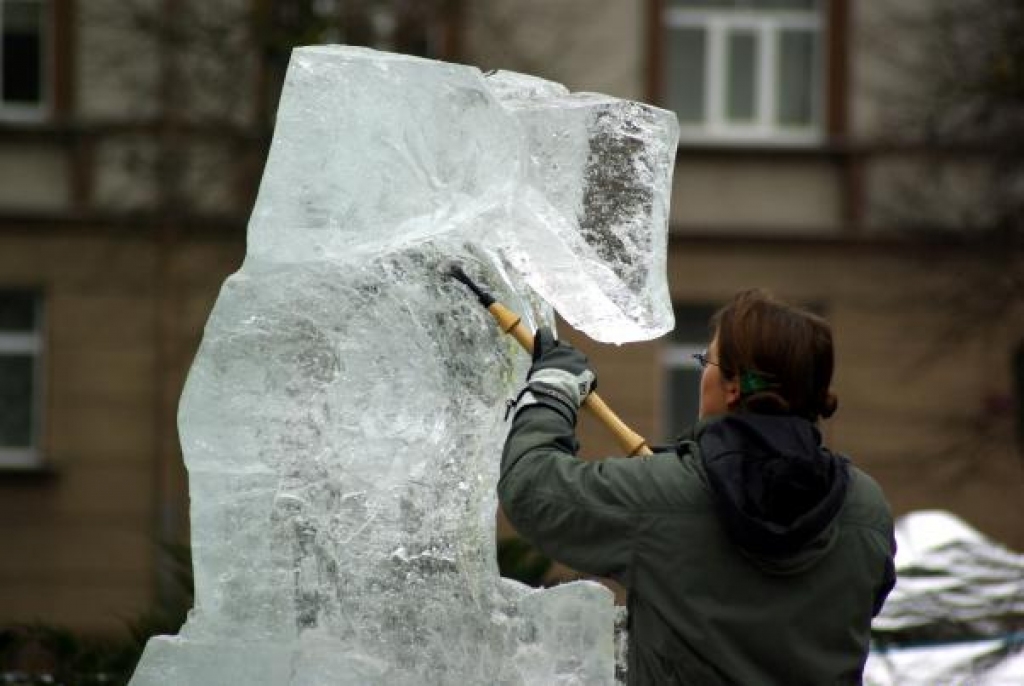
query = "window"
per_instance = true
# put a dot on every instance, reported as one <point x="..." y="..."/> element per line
<point x="20" y="378"/>
<point x="23" y="86"/>
<point x="745" y="70"/>
<point x="682" y="373"/>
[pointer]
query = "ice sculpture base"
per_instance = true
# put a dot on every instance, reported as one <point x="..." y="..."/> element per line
<point x="561" y="636"/>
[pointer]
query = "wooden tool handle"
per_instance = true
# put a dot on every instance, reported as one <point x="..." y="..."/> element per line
<point x="629" y="440"/>
<point x="512" y="324"/>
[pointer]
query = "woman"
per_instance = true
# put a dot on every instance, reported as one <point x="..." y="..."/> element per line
<point x="752" y="553"/>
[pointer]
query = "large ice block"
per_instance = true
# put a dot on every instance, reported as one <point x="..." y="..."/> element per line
<point x="343" y="420"/>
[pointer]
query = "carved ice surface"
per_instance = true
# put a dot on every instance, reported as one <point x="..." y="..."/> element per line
<point x="344" y="417"/>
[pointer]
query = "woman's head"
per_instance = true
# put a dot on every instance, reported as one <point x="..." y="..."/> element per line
<point x="768" y="357"/>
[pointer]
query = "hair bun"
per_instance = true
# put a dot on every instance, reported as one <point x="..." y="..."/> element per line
<point x="829" y="406"/>
<point x="765" y="402"/>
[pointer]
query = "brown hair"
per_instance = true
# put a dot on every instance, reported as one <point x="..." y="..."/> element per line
<point x="781" y="355"/>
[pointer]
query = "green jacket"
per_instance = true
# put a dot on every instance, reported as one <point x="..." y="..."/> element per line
<point x="752" y="554"/>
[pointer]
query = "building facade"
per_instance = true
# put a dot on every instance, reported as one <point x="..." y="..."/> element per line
<point x="131" y="143"/>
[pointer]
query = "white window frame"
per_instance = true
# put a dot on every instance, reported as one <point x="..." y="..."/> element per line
<point x="34" y="112"/>
<point x="767" y="26"/>
<point x="27" y="343"/>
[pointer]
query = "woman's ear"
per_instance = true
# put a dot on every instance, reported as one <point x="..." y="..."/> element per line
<point x="732" y="393"/>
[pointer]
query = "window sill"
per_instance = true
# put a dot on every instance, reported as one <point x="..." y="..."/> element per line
<point x="729" y="148"/>
<point x="25" y="115"/>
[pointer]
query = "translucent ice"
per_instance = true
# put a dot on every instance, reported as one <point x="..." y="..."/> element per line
<point x="343" y="419"/>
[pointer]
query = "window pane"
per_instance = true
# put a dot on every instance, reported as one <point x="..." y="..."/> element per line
<point x="22" y="56"/>
<point x="685" y="69"/>
<point x="17" y="311"/>
<point x="16" y="400"/>
<point x="741" y="92"/>
<point x="796" y="78"/>
<point x="683" y="400"/>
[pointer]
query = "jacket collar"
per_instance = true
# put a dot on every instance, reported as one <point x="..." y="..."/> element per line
<point x="776" y="488"/>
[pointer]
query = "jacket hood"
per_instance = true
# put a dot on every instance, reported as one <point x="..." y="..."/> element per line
<point x="777" y="489"/>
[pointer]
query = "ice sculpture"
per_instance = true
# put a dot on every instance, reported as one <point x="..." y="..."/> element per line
<point x="956" y="612"/>
<point x="343" y="420"/>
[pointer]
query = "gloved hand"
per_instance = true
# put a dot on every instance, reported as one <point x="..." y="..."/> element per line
<point x="560" y="377"/>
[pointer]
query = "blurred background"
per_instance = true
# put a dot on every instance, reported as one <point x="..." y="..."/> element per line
<point x="865" y="159"/>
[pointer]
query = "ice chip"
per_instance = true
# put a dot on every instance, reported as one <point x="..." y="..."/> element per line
<point x="343" y="420"/>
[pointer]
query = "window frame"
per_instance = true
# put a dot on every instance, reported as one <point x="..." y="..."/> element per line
<point x="41" y="110"/>
<point x="767" y="26"/>
<point x="31" y="343"/>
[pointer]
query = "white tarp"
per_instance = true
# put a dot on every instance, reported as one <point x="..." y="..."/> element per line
<point x="956" y="615"/>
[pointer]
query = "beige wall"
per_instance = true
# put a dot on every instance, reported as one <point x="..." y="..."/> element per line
<point x="116" y="66"/>
<point x="887" y="62"/>
<point x="80" y="544"/>
<point x="121" y="60"/>
<point x="36" y="177"/>
<point x="756" y="195"/>
<point x="895" y="46"/>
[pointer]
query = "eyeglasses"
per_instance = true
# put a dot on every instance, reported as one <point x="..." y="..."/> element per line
<point x="703" y="361"/>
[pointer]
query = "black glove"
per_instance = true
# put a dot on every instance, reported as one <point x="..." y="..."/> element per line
<point x="560" y="377"/>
